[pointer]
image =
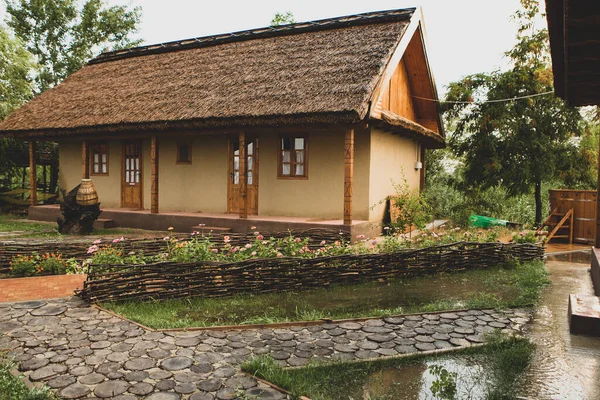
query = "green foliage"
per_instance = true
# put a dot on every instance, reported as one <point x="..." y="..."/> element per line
<point x="64" y="34"/>
<point x="16" y="64"/>
<point x="283" y="19"/>
<point x="13" y="388"/>
<point x="514" y="144"/>
<point x="444" y="386"/>
<point x="525" y="237"/>
<point x="38" y="264"/>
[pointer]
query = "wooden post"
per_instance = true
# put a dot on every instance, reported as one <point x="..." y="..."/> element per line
<point x="597" y="241"/>
<point x="32" y="175"/>
<point x="348" y="175"/>
<point x="154" y="174"/>
<point x="243" y="175"/>
<point x="85" y="160"/>
<point x="422" y="172"/>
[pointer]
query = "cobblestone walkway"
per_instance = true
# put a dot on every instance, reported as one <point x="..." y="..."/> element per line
<point x="82" y="352"/>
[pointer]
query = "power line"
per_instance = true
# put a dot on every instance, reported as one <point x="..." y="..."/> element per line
<point x="487" y="101"/>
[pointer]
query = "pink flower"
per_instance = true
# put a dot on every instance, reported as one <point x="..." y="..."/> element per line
<point x="226" y="239"/>
<point x="374" y="242"/>
<point x="118" y="239"/>
<point x="92" y="249"/>
<point x="165" y="238"/>
<point x="252" y="228"/>
<point x="195" y="233"/>
<point x="236" y="248"/>
<point x="164" y="256"/>
<point x="201" y="224"/>
<point x="248" y="245"/>
<point x="253" y="253"/>
<point x="256" y="233"/>
<point x="98" y="241"/>
<point x="215" y="251"/>
<point x="360" y="236"/>
<point x="323" y="243"/>
<point x="297" y="240"/>
<point x="279" y="255"/>
<point x="301" y="251"/>
<point x="260" y="237"/>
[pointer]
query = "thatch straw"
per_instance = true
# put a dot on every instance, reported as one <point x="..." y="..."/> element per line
<point x="324" y="73"/>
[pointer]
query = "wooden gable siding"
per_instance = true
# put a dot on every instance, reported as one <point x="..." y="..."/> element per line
<point x="409" y="89"/>
<point x="397" y="96"/>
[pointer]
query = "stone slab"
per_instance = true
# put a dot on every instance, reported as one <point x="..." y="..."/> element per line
<point x="584" y="314"/>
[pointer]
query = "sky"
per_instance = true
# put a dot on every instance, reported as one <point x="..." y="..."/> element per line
<point x="463" y="36"/>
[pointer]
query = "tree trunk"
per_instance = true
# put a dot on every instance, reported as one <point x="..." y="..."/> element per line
<point x="538" y="203"/>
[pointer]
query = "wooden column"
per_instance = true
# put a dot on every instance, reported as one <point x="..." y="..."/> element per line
<point x="32" y="174"/>
<point x="243" y="175"/>
<point x="422" y="172"/>
<point x="348" y="175"/>
<point x="154" y="174"/>
<point x="597" y="241"/>
<point x="85" y="160"/>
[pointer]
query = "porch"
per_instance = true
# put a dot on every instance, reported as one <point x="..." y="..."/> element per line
<point x="184" y="221"/>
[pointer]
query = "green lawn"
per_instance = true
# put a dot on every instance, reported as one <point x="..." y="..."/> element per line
<point x="493" y="371"/>
<point x="514" y="285"/>
<point x="16" y="226"/>
<point x="13" y="387"/>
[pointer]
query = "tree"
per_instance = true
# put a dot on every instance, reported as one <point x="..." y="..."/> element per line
<point x="283" y="19"/>
<point x="517" y="143"/>
<point x="16" y="64"/>
<point x="64" y="34"/>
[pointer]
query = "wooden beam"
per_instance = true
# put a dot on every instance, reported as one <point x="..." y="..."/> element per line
<point x="422" y="172"/>
<point x="243" y="180"/>
<point x="348" y="175"/>
<point x="32" y="174"/>
<point x="85" y="160"/>
<point x="154" y="174"/>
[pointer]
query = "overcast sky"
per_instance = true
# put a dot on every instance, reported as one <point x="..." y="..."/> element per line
<point x="464" y="36"/>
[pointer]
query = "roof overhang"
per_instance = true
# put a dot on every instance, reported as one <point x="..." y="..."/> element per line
<point x="399" y="125"/>
<point x="574" y="28"/>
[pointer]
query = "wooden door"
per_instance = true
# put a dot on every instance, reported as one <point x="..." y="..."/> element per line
<point x="131" y="182"/>
<point x="234" y="198"/>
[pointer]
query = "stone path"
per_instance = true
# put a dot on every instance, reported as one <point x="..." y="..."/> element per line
<point x="39" y="287"/>
<point x="82" y="352"/>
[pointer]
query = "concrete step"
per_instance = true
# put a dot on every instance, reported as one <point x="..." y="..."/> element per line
<point x="584" y="314"/>
<point x="207" y="229"/>
<point x="104" y="223"/>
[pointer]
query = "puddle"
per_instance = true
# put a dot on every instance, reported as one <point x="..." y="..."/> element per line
<point x="415" y="381"/>
<point x="565" y="366"/>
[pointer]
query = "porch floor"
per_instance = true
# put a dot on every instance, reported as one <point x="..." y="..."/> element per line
<point x="183" y="221"/>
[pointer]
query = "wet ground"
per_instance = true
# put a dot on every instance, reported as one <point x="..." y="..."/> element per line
<point x="565" y="366"/>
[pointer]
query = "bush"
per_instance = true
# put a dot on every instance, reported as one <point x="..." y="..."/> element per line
<point x="36" y="264"/>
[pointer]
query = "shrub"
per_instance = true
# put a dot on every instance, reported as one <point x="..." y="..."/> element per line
<point x="525" y="237"/>
<point x="22" y="265"/>
<point x="36" y="264"/>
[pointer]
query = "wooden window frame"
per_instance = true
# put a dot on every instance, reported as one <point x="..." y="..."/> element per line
<point x="189" y="161"/>
<point x="292" y="163"/>
<point x="91" y="156"/>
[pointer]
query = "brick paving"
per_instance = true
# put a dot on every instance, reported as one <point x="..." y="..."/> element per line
<point x="39" y="287"/>
<point x="82" y="352"/>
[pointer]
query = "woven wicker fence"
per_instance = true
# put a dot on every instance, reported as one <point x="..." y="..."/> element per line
<point x="214" y="279"/>
<point x="78" y="248"/>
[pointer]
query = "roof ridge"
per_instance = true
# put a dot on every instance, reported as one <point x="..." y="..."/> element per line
<point x="270" y="31"/>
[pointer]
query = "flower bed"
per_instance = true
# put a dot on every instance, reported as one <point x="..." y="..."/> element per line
<point x="226" y="272"/>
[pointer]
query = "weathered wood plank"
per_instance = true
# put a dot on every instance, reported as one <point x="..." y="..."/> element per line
<point x="32" y="174"/>
<point x="348" y="175"/>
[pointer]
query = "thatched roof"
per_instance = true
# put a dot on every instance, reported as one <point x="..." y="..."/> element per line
<point x="402" y="126"/>
<point x="575" y="44"/>
<point x="317" y="72"/>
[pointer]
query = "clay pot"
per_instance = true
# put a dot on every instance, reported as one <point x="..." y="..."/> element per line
<point x="87" y="195"/>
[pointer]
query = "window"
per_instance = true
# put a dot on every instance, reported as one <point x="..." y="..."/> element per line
<point x="99" y="155"/>
<point x="184" y="153"/>
<point x="293" y="157"/>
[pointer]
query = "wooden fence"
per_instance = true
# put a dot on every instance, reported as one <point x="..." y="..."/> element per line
<point x="77" y="248"/>
<point x="214" y="279"/>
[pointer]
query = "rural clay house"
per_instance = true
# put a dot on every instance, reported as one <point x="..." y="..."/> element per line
<point x="295" y="126"/>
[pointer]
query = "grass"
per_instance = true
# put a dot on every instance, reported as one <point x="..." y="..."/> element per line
<point x="514" y="285"/>
<point x="13" y="388"/>
<point x="504" y="361"/>
<point x="18" y="226"/>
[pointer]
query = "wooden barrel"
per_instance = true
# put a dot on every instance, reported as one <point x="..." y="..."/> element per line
<point x="86" y="195"/>
<point x="583" y="203"/>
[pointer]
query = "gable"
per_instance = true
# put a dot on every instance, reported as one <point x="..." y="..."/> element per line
<point x="407" y="88"/>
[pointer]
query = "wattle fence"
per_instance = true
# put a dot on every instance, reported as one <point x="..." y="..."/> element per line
<point x="217" y="279"/>
<point x="77" y="247"/>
